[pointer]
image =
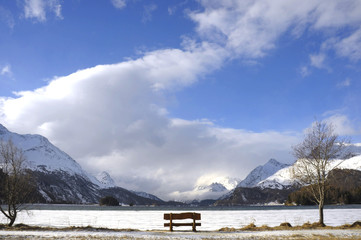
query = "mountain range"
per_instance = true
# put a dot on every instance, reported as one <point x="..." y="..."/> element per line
<point x="273" y="182"/>
<point x="223" y="187"/>
<point x="60" y="179"/>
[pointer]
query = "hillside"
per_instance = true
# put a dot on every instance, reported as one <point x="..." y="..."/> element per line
<point x="60" y="179"/>
<point x="344" y="187"/>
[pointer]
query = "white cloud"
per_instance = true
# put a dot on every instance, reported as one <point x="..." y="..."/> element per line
<point x="7" y="17"/>
<point x="6" y="70"/>
<point x="335" y="13"/>
<point x="345" y="83"/>
<point x="251" y="28"/>
<point x="116" y="119"/>
<point x="182" y="153"/>
<point x="318" y="60"/>
<point x="343" y="126"/>
<point x="37" y="9"/>
<point x="55" y="6"/>
<point x="305" y="71"/>
<point x="120" y="4"/>
<point x="350" y="46"/>
<point x="173" y="8"/>
<point x="148" y="12"/>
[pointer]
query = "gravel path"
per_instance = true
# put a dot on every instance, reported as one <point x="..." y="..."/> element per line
<point x="159" y="235"/>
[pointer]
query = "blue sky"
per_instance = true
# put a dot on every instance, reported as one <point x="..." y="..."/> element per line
<point x="144" y="89"/>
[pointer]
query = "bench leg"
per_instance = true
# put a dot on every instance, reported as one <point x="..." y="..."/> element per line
<point x="170" y="223"/>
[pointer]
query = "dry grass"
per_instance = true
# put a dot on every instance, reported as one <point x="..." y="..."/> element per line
<point x="249" y="227"/>
<point x="288" y="226"/>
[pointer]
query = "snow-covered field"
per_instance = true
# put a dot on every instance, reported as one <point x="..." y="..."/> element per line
<point x="211" y="219"/>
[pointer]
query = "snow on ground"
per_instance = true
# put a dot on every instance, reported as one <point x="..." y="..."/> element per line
<point x="150" y="224"/>
<point x="212" y="220"/>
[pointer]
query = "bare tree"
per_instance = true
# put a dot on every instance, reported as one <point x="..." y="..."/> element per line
<point x="315" y="154"/>
<point x="16" y="184"/>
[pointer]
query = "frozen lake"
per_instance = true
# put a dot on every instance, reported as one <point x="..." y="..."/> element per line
<point x="151" y="218"/>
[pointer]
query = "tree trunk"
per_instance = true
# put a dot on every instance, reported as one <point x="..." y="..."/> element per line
<point x="12" y="214"/>
<point x="12" y="220"/>
<point x="320" y="210"/>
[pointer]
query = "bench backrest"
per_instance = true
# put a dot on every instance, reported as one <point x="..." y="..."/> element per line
<point x="180" y="216"/>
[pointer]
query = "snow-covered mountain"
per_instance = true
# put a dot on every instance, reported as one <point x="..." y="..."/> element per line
<point x="285" y="178"/>
<point x="355" y="148"/>
<point x="41" y="155"/>
<point x="262" y="172"/>
<point x="229" y="183"/>
<point x="214" y="189"/>
<point x="60" y="179"/>
<point x="277" y="186"/>
<point x="351" y="163"/>
<point x="105" y="180"/>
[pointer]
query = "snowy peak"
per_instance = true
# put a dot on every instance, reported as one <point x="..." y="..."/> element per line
<point x="282" y="179"/>
<point x="274" y="164"/>
<point x="43" y="156"/>
<point x="260" y="173"/>
<point x="228" y="182"/>
<point x="219" y="184"/>
<point x="105" y="180"/>
<point x="209" y="187"/>
<point x="214" y="187"/>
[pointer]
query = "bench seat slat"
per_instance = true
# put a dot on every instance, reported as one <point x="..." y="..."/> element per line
<point x="181" y="224"/>
<point x="179" y="216"/>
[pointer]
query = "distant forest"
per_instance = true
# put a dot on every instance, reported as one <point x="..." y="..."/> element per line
<point x="344" y="187"/>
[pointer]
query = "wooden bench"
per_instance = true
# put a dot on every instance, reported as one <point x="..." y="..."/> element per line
<point x="182" y="216"/>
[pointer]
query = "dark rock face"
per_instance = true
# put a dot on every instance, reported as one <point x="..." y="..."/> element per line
<point x="62" y="187"/>
<point x="128" y="197"/>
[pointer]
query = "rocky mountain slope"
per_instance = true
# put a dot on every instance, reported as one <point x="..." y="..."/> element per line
<point x="60" y="179"/>
<point x="277" y="186"/>
<point x="284" y="178"/>
<point x="260" y="173"/>
<point x="105" y="180"/>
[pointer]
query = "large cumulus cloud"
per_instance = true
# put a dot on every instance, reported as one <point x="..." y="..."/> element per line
<point x="114" y="117"/>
